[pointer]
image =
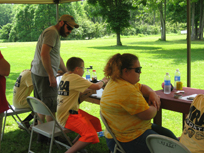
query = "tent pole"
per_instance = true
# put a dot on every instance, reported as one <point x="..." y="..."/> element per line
<point x="57" y="12"/>
<point x="188" y="44"/>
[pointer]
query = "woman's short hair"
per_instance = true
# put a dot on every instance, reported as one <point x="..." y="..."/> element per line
<point x="117" y="63"/>
<point x="74" y="62"/>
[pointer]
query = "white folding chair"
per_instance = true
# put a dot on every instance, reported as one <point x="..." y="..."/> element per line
<point x="117" y="144"/>
<point x="50" y="129"/>
<point x="162" y="144"/>
<point x="12" y="111"/>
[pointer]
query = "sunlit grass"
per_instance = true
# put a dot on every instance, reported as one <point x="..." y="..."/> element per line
<point x="156" y="57"/>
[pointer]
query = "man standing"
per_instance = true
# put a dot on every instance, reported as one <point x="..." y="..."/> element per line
<point x="47" y="61"/>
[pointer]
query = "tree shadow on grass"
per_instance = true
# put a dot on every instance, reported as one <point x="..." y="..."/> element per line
<point x="18" y="141"/>
<point x="178" y="55"/>
<point x="167" y="42"/>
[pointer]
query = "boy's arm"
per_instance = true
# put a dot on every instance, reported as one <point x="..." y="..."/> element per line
<point x="99" y="85"/>
<point x="86" y="94"/>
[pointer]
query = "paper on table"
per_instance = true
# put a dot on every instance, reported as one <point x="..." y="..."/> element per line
<point x="98" y="93"/>
<point x="185" y="98"/>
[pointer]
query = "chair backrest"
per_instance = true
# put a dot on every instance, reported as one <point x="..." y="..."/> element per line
<point x="120" y="148"/>
<point x="39" y="107"/>
<point x="162" y="144"/>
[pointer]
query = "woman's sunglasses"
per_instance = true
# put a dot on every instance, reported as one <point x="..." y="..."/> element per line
<point x="137" y="69"/>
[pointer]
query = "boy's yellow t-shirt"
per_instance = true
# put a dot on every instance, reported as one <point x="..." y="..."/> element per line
<point x="22" y="88"/>
<point x="120" y="103"/>
<point x="71" y="85"/>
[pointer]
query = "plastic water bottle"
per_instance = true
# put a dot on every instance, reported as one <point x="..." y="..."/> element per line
<point x="88" y="75"/>
<point x="177" y="77"/>
<point x="100" y="134"/>
<point x="94" y="76"/>
<point x="167" y="84"/>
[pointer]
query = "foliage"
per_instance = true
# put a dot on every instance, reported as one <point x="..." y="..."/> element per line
<point x="116" y="12"/>
<point x="4" y="32"/>
<point x="6" y="15"/>
<point x="177" y="11"/>
<point x="103" y="18"/>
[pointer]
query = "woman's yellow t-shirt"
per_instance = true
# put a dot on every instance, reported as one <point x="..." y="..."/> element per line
<point x="120" y="102"/>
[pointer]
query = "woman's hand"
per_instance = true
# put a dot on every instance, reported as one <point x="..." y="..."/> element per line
<point x="154" y="100"/>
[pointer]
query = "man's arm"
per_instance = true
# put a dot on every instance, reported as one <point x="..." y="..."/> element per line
<point x="46" y="61"/>
<point x="154" y="99"/>
<point x="4" y="67"/>
<point x="62" y="66"/>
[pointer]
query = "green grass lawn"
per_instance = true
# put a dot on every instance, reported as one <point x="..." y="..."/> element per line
<point x="156" y="58"/>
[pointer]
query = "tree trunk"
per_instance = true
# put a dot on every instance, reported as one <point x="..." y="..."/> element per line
<point x="162" y="19"/>
<point x="118" y="39"/>
<point x="193" y="35"/>
<point x="154" y="18"/>
<point x="200" y="31"/>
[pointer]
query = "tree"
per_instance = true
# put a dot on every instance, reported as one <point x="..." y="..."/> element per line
<point x="6" y="14"/>
<point x="22" y="23"/>
<point x="116" y="13"/>
<point x="161" y="6"/>
<point x="200" y="32"/>
<point x="92" y="12"/>
<point x="178" y="13"/>
<point x="197" y="20"/>
<point x="162" y="10"/>
<point x="4" y="32"/>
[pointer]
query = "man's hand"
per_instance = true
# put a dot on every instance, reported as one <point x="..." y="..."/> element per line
<point x="154" y="100"/>
<point x="53" y="81"/>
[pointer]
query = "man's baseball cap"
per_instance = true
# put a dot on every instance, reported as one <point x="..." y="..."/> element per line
<point x="69" y="19"/>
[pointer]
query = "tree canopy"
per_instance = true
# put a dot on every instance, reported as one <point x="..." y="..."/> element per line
<point x="101" y="18"/>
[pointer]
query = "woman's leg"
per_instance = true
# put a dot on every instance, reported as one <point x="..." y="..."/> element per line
<point x="138" y="145"/>
<point x="163" y="131"/>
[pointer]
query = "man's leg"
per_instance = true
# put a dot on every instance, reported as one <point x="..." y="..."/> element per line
<point x="42" y="117"/>
<point x="49" y="118"/>
<point x="29" y="117"/>
<point x="46" y="94"/>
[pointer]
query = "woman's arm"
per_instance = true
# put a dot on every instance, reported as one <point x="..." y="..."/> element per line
<point x="148" y="114"/>
<point x="153" y="98"/>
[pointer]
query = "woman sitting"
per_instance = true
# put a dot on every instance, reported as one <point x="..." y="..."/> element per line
<point x="124" y="107"/>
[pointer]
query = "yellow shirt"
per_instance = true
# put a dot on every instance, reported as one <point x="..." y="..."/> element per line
<point x="69" y="89"/>
<point x="22" y="88"/>
<point x="193" y="133"/>
<point x="120" y="103"/>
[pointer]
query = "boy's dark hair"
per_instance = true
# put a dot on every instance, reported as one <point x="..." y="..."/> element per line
<point x="74" y="62"/>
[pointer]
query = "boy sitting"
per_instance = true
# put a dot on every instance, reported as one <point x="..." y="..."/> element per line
<point x="68" y="113"/>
